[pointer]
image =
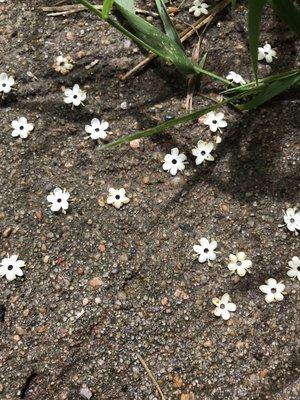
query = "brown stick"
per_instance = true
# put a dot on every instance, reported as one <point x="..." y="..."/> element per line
<point x="74" y="8"/>
<point x="184" y="35"/>
<point x="141" y="360"/>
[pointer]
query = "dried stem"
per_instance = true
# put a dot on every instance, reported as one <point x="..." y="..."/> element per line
<point x="154" y="381"/>
<point x="67" y="9"/>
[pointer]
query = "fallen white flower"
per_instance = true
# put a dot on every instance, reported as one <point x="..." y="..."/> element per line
<point x="10" y="267"/>
<point x="59" y="200"/>
<point x="174" y="162"/>
<point x="117" y="197"/>
<point x="75" y="96"/>
<point x="223" y="306"/>
<point x="294" y="265"/>
<point x="292" y="219"/>
<point x="97" y="129"/>
<point x="198" y="8"/>
<point x="239" y="263"/>
<point x="202" y="152"/>
<point x="206" y="250"/>
<point x="273" y="290"/>
<point x="266" y="53"/>
<point x="236" y="78"/>
<point x="6" y="82"/>
<point x="21" y="128"/>
<point x="215" y="121"/>
<point x="63" y="65"/>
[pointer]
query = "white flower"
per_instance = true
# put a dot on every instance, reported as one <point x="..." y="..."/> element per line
<point x="75" y="96"/>
<point x="63" y="65"/>
<point x="236" y="78"/>
<point x="294" y="271"/>
<point x="223" y="306"/>
<point x="273" y="290"/>
<point x="97" y="129"/>
<point x="59" y="199"/>
<point x="266" y="52"/>
<point x="206" y="250"/>
<point x="202" y="151"/>
<point x="6" y="82"/>
<point x="10" y="267"/>
<point x="239" y="264"/>
<point x="292" y="219"/>
<point x="21" y="128"/>
<point x="215" y="121"/>
<point x="174" y="161"/>
<point x="198" y="8"/>
<point x="117" y="197"/>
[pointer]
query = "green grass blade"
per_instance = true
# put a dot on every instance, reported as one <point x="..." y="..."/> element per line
<point x="128" y="4"/>
<point x="160" y="43"/>
<point x="288" y="12"/>
<point x="157" y="43"/>
<point x="168" y="24"/>
<point x="107" y="6"/>
<point x="233" y="4"/>
<point x="148" y="36"/>
<point x="262" y="81"/>
<point x="167" y="125"/>
<point x="271" y="90"/>
<point x="254" y="20"/>
<point x="202" y="61"/>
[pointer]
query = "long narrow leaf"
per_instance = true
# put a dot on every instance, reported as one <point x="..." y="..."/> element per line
<point x="265" y="94"/>
<point x="202" y="61"/>
<point x="273" y="89"/>
<point x="168" y="24"/>
<point x="147" y="36"/>
<point x="107" y="6"/>
<point x="169" y="124"/>
<point x="254" y="20"/>
<point x="262" y="81"/>
<point x="157" y="40"/>
<point x="128" y="4"/>
<point x="289" y="12"/>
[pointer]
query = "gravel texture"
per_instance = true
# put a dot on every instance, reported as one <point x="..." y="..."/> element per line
<point x="102" y="285"/>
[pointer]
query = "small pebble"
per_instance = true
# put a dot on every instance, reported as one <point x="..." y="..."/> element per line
<point x="85" y="301"/>
<point x="7" y="232"/>
<point x="85" y="392"/>
<point x="96" y="282"/>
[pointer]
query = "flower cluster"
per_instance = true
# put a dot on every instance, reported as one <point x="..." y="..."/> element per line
<point x="241" y="265"/>
<point x="59" y="199"/>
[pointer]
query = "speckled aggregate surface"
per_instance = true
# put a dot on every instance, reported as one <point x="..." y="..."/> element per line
<point x="57" y="332"/>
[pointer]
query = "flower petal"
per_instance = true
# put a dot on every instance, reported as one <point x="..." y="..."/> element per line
<point x="204" y="242"/>
<point x="231" y="307"/>
<point x="225" y="314"/>
<point x="218" y="312"/>
<point x="198" y="249"/>
<point x="265" y="289"/>
<point x="202" y="258"/>
<point x="278" y="296"/>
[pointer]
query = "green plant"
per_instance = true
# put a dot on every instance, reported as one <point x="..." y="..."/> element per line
<point x="169" y="48"/>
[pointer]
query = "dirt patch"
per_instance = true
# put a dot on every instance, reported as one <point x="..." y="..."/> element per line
<point x="57" y="331"/>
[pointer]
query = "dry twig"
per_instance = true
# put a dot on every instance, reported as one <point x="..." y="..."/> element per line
<point x="57" y="11"/>
<point x="141" y="360"/>
<point x="192" y="80"/>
